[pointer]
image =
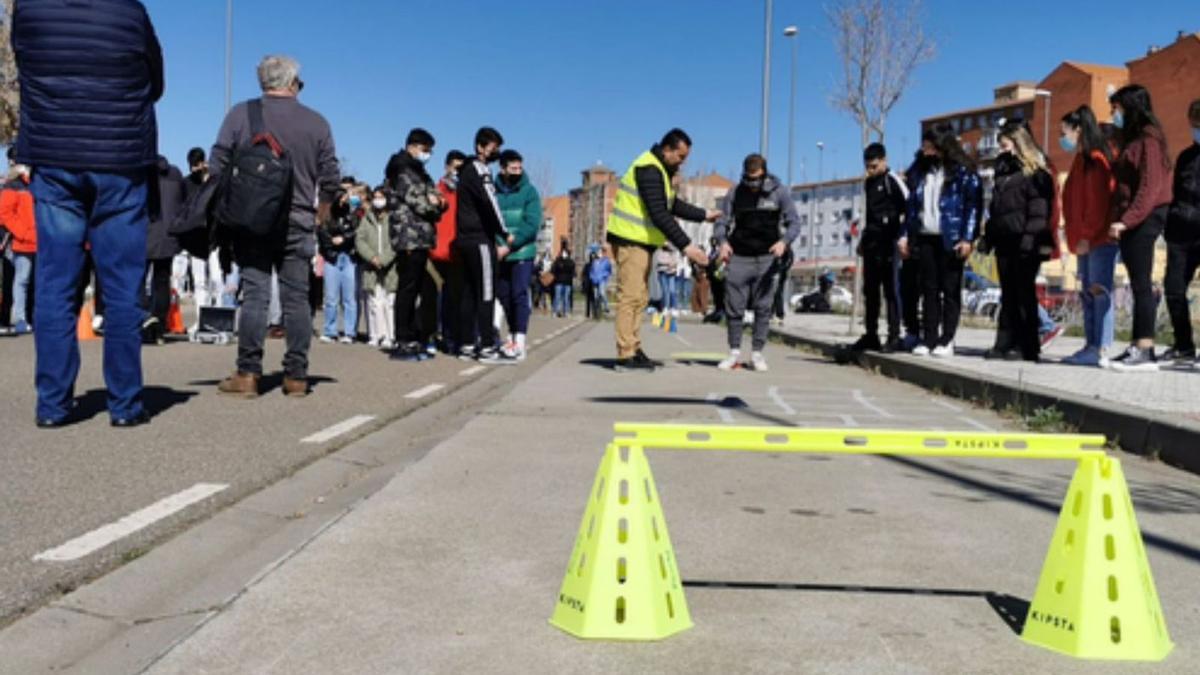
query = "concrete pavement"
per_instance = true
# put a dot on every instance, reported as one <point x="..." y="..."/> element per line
<point x="455" y="565"/>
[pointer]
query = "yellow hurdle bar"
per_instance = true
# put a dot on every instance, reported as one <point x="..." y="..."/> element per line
<point x="860" y="441"/>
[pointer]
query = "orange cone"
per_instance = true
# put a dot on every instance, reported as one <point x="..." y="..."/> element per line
<point x="84" y="330"/>
<point x="175" y="317"/>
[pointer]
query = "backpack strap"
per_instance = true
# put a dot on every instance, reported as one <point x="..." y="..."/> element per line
<point x="258" y="132"/>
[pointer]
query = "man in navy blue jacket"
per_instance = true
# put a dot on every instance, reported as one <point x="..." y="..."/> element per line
<point x="90" y="73"/>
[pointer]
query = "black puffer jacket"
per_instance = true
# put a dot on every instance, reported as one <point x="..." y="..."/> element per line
<point x="167" y="196"/>
<point x="1020" y="210"/>
<point x="1183" y="224"/>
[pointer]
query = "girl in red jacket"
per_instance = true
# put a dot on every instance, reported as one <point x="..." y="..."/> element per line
<point x="1086" y="201"/>
<point x="16" y="215"/>
<point x="1139" y="213"/>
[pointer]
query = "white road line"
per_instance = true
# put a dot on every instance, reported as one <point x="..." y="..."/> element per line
<point x="726" y="416"/>
<point x="424" y="391"/>
<point x="473" y="371"/>
<point x="683" y="340"/>
<point x="978" y="425"/>
<point x="862" y="400"/>
<point x="338" y="429"/>
<point x="848" y="420"/>
<point x="103" y="536"/>
<point x="773" y="392"/>
<point x="538" y="341"/>
<point x="948" y="406"/>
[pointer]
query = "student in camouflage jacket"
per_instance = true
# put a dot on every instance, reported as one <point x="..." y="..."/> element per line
<point x="415" y="208"/>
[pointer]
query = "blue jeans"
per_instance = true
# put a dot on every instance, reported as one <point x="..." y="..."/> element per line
<point x="1045" y="323"/>
<point x="107" y="211"/>
<point x="601" y="292"/>
<point x="1096" y="286"/>
<point x="512" y="289"/>
<point x="23" y="273"/>
<point x="562" y="299"/>
<point x="340" y="290"/>
<point x="683" y="292"/>
<point x="666" y="282"/>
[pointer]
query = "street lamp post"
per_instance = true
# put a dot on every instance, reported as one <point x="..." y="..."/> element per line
<point x="228" y="54"/>
<point x="790" y="32"/>
<point x="766" y="84"/>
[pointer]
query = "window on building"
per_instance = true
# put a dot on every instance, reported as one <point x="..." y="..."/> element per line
<point x="968" y="123"/>
<point x="804" y="241"/>
<point x="820" y="218"/>
<point x="956" y="124"/>
<point x="804" y="219"/>
<point x="820" y="239"/>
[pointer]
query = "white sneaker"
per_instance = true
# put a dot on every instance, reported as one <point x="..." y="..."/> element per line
<point x="943" y="351"/>
<point x="387" y="345"/>
<point x="326" y="339"/>
<point x="675" y="313"/>
<point x="346" y="340"/>
<point x="758" y="362"/>
<point x="98" y="322"/>
<point x="730" y="361"/>
<point x="920" y="350"/>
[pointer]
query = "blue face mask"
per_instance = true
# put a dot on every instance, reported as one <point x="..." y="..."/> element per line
<point x="1118" y="119"/>
<point x="355" y="202"/>
<point x="1066" y="144"/>
<point x="1196" y="135"/>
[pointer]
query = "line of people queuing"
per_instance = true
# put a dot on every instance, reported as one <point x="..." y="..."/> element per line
<point x="1121" y="194"/>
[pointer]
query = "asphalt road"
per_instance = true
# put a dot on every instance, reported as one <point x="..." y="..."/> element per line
<point x="57" y="485"/>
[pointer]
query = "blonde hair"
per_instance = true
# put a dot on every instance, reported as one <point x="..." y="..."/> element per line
<point x="1028" y="153"/>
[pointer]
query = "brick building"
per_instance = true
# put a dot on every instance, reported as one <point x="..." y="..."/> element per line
<point x="590" y="205"/>
<point x="556" y="216"/>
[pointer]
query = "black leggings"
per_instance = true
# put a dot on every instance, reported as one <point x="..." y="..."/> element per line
<point x="478" y="307"/>
<point x="1018" y="322"/>
<point x="158" y="300"/>
<point x="415" y="297"/>
<point x="941" y="283"/>
<point x="1137" y="252"/>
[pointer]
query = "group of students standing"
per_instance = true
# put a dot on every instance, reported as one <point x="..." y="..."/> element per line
<point x="1118" y="199"/>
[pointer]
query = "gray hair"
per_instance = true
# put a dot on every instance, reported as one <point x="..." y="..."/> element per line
<point x="277" y="72"/>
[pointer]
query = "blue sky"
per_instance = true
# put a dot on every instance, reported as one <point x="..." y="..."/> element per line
<point x="571" y="83"/>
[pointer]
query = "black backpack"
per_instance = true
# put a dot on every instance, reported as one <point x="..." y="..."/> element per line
<point x="256" y="185"/>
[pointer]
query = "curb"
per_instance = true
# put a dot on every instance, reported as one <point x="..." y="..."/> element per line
<point x="1141" y="432"/>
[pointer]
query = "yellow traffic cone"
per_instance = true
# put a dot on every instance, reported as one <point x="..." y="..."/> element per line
<point x="1096" y="597"/>
<point x="622" y="582"/>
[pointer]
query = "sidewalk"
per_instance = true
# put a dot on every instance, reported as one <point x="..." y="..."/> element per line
<point x="454" y="567"/>
<point x="1148" y="413"/>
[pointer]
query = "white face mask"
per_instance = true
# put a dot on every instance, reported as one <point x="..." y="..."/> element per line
<point x="379" y="203"/>
<point x="424" y="157"/>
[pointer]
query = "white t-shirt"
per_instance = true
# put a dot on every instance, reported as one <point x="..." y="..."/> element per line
<point x="931" y="215"/>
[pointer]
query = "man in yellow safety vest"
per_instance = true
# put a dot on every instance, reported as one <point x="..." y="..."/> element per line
<point x="642" y="220"/>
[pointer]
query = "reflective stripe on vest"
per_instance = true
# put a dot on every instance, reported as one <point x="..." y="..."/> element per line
<point x="629" y="219"/>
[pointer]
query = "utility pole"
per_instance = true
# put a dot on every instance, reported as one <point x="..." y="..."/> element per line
<point x="790" y="32"/>
<point x="766" y="85"/>
<point x="228" y="54"/>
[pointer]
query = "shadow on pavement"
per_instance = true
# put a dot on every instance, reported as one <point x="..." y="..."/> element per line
<point x="269" y="383"/>
<point x="156" y="400"/>
<point x="730" y="402"/>
<point x="1011" y="609"/>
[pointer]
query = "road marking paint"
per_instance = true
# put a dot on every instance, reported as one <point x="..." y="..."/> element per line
<point x="338" y="429"/>
<point x="848" y="420"/>
<point x="978" y="425"/>
<point x="683" y="340"/>
<point x="726" y="416"/>
<point x="862" y="400"/>
<point x="538" y="341"/>
<point x="103" y="536"/>
<point x="424" y="391"/>
<point x="773" y="392"/>
<point x="473" y="371"/>
<point x="948" y="406"/>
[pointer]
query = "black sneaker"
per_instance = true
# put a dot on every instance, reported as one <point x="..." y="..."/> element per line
<point x="642" y="356"/>
<point x="637" y="363"/>
<point x="409" y="351"/>
<point x="466" y="353"/>
<point x="1136" y="360"/>
<point x="494" y="357"/>
<point x="867" y="343"/>
<point x="1180" y="358"/>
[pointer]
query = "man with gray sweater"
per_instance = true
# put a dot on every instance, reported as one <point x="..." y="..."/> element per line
<point x="307" y="140"/>
<point x="752" y="246"/>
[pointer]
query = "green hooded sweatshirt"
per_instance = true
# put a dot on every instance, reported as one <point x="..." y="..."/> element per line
<point x="522" y="210"/>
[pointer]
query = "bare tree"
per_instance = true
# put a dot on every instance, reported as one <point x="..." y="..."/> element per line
<point x="541" y="175"/>
<point x="880" y="44"/>
<point x="10" y="93"/>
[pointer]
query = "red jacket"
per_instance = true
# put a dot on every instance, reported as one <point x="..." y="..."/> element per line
<point x="1143" y="173"/>
<point x="1087" y="198"/>
<point x="16" y="214"/>
<point x="446" y="229"/>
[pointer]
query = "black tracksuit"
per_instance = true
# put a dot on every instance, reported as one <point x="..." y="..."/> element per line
<point x="479" y="224"/>
<point x="1183" y="244"/>
<point x="887" y="199"/>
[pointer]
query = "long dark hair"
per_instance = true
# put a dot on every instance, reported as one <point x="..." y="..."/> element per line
<point x="951" y="150"/>
<point x="1091" y="138"/>
<point x="1134" y="100"/>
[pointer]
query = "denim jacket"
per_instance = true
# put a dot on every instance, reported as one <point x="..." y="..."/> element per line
<point x="961" y="203"/>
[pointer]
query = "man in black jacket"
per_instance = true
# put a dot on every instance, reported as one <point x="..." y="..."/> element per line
<point x="90" y="75"/>
<point x="479" y="225"/>
<point x="643" y="218"/>
<point x="1183" y="244"/>
<point x="887" y="199"/>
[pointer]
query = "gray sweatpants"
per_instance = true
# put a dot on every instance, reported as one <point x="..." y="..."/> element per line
<point x="749" y="284"/>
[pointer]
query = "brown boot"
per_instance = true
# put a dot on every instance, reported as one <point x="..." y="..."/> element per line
<point x="240" y="384"/>
<point x="295" y="387"/>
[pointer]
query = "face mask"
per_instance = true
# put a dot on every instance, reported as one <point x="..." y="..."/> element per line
<point x="494" y="157"/>
<point x="511" y="179"/>
<point x="452" y="181"/>
<point x="1119" y="119"/>
<point x="754" y="184"/>
<point x="1196" y="135"/>
<point x="379" y="203"/>
<point x="355" y="202"/>
<point x="423" y="157"/>
<point x="1067" y="144"/>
